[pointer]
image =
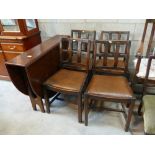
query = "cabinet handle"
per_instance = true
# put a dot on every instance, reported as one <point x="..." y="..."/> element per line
<point x="12" y="47"/>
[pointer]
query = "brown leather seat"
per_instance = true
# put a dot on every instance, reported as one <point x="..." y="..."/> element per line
<point x="67" y="80"/>
<point x="72" y="76"/>
<point x="106" y="86"/>
<point x="103" y="86"/>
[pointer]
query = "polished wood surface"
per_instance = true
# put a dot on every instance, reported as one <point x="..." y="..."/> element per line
<point x="12" y="47"/>
<point x="34" y="66"/>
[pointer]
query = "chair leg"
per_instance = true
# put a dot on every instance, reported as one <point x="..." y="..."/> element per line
<point x="127" y="105"/>
<point x="129" y="116"/>
<point x="46" y="101"/>
<point x="80" y="108"/>
<point x="139" y="108"/>
<point x="86" y="110"/>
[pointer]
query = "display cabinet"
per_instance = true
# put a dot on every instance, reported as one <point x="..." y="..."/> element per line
<point x="16" y="36"/>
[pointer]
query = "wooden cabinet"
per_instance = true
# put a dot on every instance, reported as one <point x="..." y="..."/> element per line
<point x="16" y="36"/>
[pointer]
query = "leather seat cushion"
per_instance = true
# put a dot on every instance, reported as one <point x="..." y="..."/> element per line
<point x="149" y="114"/>
<point x="67" y="80"/>
<point x="115" y="87"/>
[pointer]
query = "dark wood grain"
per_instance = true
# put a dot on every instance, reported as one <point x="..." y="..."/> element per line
<point x="37" y="63"/>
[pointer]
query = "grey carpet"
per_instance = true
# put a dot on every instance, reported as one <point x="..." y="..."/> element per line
<point x="17" y="117"/>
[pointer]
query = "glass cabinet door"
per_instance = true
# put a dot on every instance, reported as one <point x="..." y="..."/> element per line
<point x="10" y="25"/>
<point x="31" y="24"/>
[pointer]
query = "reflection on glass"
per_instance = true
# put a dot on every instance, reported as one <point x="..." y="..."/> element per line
<point x="30" y="23"/>
<point x="10" y="25"/>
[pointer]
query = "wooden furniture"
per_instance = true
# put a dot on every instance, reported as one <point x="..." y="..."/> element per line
<point x="16" y="36"/>
<point x="109" y="87"/>
<point x="115" y="57"/>
<point x="148" y="81"/>
<point x="29" y="70"/>
<point x="83" y="34"/>
<point x="137" y="82"/>
<point x="73" y="73"/>
<point x="150" y="49"/>
<point x="114" y="35"/>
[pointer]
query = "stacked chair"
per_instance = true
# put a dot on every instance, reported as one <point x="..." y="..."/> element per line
<point x="85" y="72"/>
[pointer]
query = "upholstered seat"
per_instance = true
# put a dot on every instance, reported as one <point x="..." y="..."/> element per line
<point x="103" y="86"/>
<point x="67" y="80"/>
<point x="149" y="114"/>
<point x="72" y="76"/>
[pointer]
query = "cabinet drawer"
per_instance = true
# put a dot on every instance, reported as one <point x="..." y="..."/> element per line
<point x="12" y="47"/>
<point x="11" y="55"/>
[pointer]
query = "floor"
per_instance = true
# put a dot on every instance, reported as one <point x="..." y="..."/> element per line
<point x="17" y="117"/>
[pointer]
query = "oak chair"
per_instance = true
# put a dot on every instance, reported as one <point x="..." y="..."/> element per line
<point x="73" y="73"/>
<point x="84" y="34"/>
<point x="116" y="58"/>
<point x="107" y="86"/>
<point x="116" y="36"/>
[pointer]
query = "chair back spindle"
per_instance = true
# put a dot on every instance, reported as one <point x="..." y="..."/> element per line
<point x="110" y="54"/>
<point x="75" y="59"/>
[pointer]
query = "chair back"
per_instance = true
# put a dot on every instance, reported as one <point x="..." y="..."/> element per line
<point x="84" y="34"/>
<point x="76" y="59"/>
<point x="111" y="55"/>
<point x="114" y="35"/>
<point x="149" y="25"/>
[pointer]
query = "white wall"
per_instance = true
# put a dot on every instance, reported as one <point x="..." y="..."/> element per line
<point x="51" y="27"/>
